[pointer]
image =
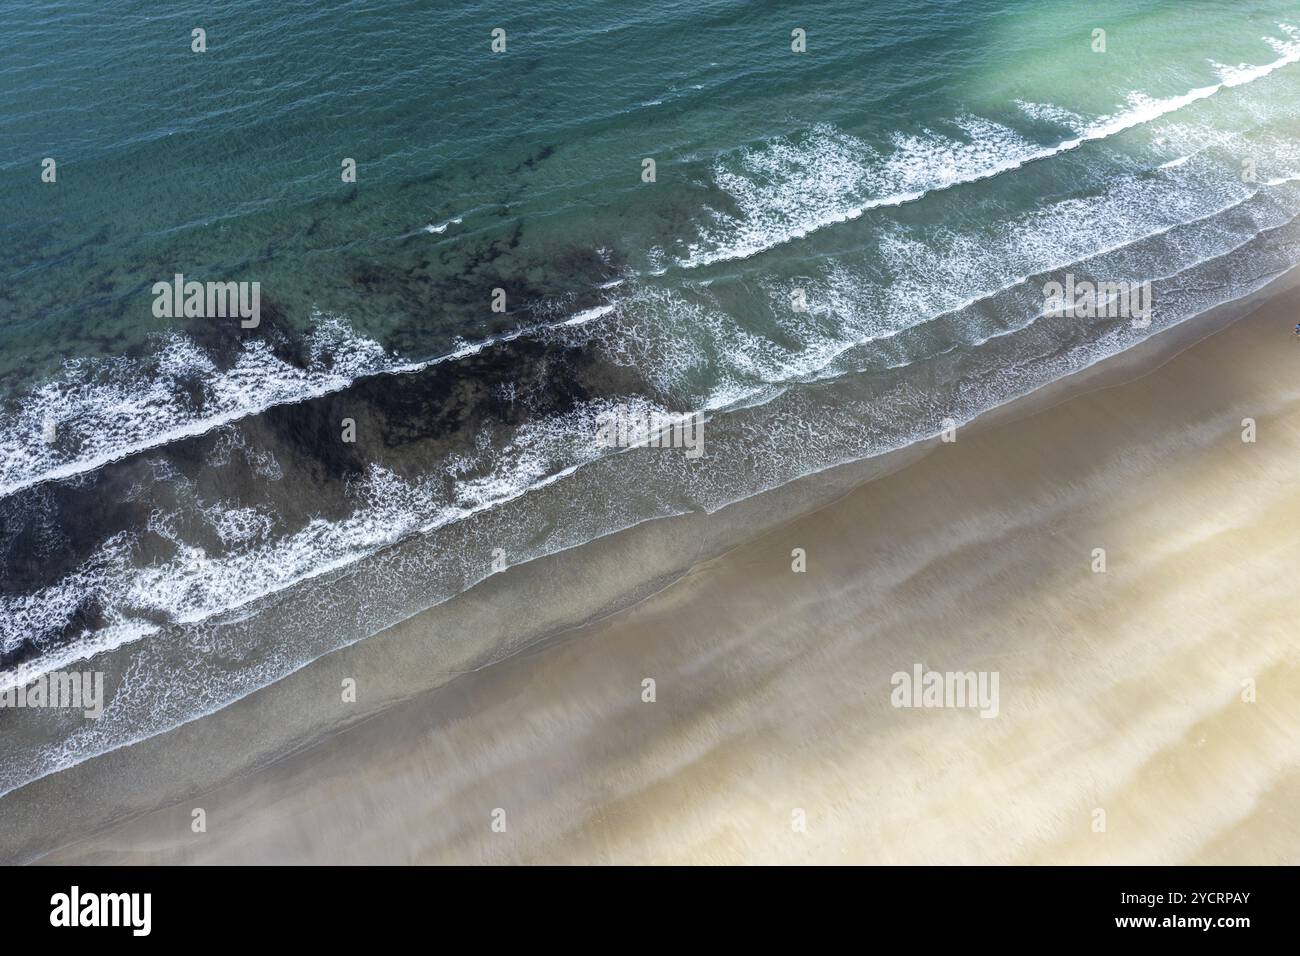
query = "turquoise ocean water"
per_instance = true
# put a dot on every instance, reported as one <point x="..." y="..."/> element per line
<point x="176" y="504"/>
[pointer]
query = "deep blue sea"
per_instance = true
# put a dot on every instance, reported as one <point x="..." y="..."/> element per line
<point x="842" y="250"/>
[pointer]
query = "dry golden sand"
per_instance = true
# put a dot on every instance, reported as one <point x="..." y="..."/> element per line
<point x="1120" y="691"/>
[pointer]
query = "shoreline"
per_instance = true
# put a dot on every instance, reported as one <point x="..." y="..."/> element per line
<point x="231" y="748"/>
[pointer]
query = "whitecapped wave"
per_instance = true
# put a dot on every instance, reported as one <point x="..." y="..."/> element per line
<point x="788" y="189"/>
<point x="97" y="411"/>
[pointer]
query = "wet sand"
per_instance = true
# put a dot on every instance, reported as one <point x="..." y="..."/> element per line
<point x="1149" y="713"/>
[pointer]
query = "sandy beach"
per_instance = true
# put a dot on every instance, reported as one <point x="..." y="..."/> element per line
<point x="1147" y="713"/>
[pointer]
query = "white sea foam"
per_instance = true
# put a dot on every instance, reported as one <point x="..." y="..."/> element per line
<point x="1051" y="113"/>
<point x="98" y="411"/>
<point x="589" y="315"/>
<point x="105" y="409"/>
<point x="441" y="227"/>
<point x="671" y="334"/>
<point x="194" y="585"/>
<point x="787" y="189"/>
<point x="1243" y="73"/>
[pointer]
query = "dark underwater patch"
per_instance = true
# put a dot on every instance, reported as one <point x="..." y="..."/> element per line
<point x="407" y="423"/>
